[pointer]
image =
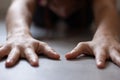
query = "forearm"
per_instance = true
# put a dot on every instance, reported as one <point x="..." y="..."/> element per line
<point x="19" y="17"/>
<point x="106" y="18"/>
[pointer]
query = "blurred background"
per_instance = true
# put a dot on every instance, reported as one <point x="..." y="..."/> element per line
<point x="59" y="31"/>
<point x="5" y="3"/>
<point x="39" y="32"/>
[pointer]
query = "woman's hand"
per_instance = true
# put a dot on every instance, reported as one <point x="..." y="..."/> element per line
<point x="101" y="47"/>
<point x="25" y="47"/>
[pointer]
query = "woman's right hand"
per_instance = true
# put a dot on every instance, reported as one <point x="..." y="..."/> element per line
<point x="25" y="47"/>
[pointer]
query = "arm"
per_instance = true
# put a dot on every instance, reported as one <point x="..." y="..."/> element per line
<point x="106" y="18"/>
<point x="19" y="40"/>
<point x="105" y="43"/>
<point x="19" y="17"/>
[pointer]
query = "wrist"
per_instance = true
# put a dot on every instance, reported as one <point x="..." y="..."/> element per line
<point x="19" y="34"/>
<point x="106" y="34"/>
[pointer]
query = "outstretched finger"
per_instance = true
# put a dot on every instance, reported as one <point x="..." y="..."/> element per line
<point x="31" y="56"/>
<point x="81" y="48"/>
<point x="48" y="51"/>
<point x="101" y="56"/>
<point x="13" y="57"/>
<point x="115" y="56"/>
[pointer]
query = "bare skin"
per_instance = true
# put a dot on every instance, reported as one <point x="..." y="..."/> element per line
<point x="104" y="45"/>
<point x="19" y="42"/>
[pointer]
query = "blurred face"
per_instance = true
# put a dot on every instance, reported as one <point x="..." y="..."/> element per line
<point x="65" y="7"/>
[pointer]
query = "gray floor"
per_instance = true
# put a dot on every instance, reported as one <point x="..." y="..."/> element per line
<point x="80" y="69"/>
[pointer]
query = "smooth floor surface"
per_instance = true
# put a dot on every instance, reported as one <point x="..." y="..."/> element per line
<point x="83" y="68"/>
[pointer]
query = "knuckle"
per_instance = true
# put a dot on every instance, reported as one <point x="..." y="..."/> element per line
<point x="43" y="43"/>
<point x="103" y="48"/>
<point x="34" y="43"/>
<point x="82" y="44"/>
<point x="28" y="46"/>
<point x="17" y="45"/>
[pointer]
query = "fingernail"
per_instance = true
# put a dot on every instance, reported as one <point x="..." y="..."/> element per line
<point x="34" y="62"/>
<point x="9" y="63"/>
<point x="68" y="55"/>
<point x="57" y="56"/>
<point x="100" y="64"/>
